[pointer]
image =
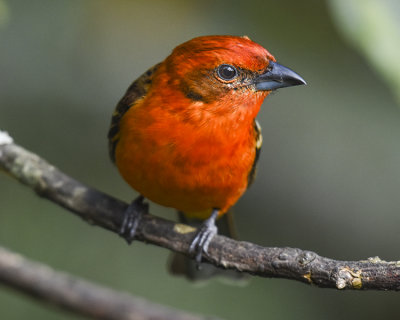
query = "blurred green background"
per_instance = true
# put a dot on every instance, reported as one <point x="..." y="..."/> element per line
<point x="328" y="177"/>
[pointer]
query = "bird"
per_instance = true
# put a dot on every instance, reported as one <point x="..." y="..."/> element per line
<point x="185" y="133"/>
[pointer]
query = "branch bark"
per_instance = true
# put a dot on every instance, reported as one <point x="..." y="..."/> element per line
<point x="77" y="295"/>
<point x="103" y="210"/>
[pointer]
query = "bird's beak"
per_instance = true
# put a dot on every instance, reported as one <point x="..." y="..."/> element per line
<point x="277" y="76"/>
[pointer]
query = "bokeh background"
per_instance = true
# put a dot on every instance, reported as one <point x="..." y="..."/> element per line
<point x="328" y="177"/>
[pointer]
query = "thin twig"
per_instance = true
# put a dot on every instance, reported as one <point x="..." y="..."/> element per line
<point x="105" y="211"/>
<point x="77" y="295"/>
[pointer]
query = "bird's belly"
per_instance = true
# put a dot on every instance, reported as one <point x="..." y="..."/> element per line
<point x="193" y="180"/>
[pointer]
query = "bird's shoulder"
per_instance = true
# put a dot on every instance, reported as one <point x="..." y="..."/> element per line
<point x="258" y="144"/>
<point x="136" y="91"/>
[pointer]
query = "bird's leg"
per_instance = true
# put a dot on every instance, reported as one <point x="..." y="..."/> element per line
<point x="132" y="216"/>
<point x="204" y="236"/>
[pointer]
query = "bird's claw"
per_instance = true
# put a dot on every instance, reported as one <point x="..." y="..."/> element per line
<point x="203" y="238"/>
<point x="132" y="216"/>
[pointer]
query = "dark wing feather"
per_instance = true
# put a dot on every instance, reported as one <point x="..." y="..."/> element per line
<point x="137" y="90"/>
<point x="258" y="137"/>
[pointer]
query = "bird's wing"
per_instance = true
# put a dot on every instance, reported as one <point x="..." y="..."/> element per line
<point x="259" y="140"/>
<point x="137" y="90"/>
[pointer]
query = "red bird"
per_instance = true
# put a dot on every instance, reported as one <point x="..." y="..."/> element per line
<point x="185" y="136"/>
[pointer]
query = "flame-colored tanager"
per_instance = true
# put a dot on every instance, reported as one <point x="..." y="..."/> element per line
<point x="185" y="133"/>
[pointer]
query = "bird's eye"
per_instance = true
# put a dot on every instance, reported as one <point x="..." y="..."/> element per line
<point x="226" y="72"/>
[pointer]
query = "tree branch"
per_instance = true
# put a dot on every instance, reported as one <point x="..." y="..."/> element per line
<point x="78" y="295"/>
<point x="103" y="210"/>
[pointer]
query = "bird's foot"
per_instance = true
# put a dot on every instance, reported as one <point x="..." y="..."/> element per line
<point x="132" y="216"/>
<point x="203" y="237"/>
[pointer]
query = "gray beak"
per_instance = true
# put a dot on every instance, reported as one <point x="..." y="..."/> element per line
<point x="277" y="76"/>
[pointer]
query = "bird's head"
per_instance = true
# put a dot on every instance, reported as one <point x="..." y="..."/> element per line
<point x="209" y="67"/>
<point x="221" y="73"/>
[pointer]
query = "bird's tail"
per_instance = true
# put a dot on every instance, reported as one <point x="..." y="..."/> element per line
<point x="180" y="265"/>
